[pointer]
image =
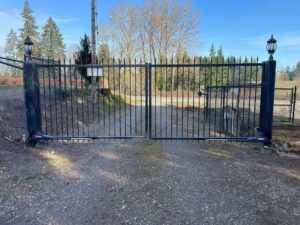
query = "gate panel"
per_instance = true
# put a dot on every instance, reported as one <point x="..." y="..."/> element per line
<point x="178" y="99"/>
<point x="200" y="99"/>
<point x="73" y="108"/>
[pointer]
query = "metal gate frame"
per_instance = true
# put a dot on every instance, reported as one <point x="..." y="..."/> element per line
<point x="34" y="118"/>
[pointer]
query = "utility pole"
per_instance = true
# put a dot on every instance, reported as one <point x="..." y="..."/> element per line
<point x="93" y="22"/>
<point x="93" y="17"/>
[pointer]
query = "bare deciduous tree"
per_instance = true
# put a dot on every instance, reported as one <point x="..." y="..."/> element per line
<point x="124" y="23"/>
<point x="155" y="29"/>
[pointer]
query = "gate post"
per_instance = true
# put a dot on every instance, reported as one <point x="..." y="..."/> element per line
<point x="267" y="99"/>
<point x="32" y="101"/>
<point x="294" y="104"/>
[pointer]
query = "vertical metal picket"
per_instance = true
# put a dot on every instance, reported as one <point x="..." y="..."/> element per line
<point x="146" y="98"/>
<point x="150" y="98"/>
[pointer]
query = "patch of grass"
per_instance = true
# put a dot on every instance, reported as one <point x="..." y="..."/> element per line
<point x="116" y="189"/>
<point x="149" y="159"/>
<point x="148" y="188"/>
<point x="152" y="153"/>
<point x="287" y="83"/>
<point x="148" y="171"/>
<point x="218" y="154"/>
<point x="30" y="177"/>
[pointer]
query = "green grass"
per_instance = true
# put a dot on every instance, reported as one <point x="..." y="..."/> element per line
<point x="149" y="160"/>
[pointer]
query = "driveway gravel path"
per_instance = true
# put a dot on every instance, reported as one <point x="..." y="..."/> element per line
<point x="142" y="182"/>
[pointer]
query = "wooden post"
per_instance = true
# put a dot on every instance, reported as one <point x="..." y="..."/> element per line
<point x="93" y="31"/>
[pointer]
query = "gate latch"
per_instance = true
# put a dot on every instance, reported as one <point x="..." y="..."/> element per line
<point x="200" y="93"/>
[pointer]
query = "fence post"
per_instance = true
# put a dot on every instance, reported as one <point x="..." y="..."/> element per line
<point x="32" y="102"/>
<point x="294" y="103"/>
<point x="267" y="100"/>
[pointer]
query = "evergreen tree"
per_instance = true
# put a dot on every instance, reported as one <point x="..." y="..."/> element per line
<point x="52" y="44"/>
<point x="29" y="29"/>
<point x="298" y="71"/>
<point x="220" y="54"/>
<point x="84" y="56"/>
<point x="11" y="45"/>
<point x="181" y="55"/>
<point x="212" y="52"/>
<point x="104" y="53"/>
<point x="291" y="73"/>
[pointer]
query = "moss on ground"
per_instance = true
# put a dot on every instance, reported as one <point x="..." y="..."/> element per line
<point x="149" y="159"/>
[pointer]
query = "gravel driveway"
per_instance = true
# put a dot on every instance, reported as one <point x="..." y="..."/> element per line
<point x="141" y="182"/>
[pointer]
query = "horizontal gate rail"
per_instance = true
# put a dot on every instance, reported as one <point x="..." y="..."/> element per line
<point x="12" y="62"/>
<point x="65" y="138"/>
<point x="10" y="59"/>
<point x="241" y="139"/>
<point x="235" y="86"/>
<point x="91" y="65"/>
<point x="209" y="64"/>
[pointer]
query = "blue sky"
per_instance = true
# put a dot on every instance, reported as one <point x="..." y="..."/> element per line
<point x="240" y="27"/>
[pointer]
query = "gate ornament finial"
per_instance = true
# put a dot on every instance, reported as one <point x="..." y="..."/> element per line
<point x="271" y="46"/>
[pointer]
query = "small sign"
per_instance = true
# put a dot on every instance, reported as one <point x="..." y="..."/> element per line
<point x="235" y="90"/>
<point x="95" y="72"/>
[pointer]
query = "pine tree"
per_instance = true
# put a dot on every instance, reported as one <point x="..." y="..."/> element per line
<point x="29" y="29"/>
<point x="212" y="52"/>
<point x="52" y="44"/>
<point x="84" y="56"/>
<point x="220" y="54"/>
<point x="11" y="45"/>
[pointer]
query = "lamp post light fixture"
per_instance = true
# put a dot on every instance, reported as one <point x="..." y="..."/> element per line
<point x="28" y="47"/>
<point x="271" y="46"/>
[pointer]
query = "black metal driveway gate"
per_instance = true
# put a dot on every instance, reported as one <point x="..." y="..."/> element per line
<point x="184" y="99"/>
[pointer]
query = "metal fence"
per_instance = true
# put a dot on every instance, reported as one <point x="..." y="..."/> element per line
<point x="182" y="99"/>
<point x="285" y="105"/>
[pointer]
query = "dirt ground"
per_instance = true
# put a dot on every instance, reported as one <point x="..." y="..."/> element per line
<point x="142" y="182"/>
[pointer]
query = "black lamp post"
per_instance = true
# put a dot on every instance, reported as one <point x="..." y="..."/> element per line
<point x="28" y="47"/>
<point x="271" y="46"/>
